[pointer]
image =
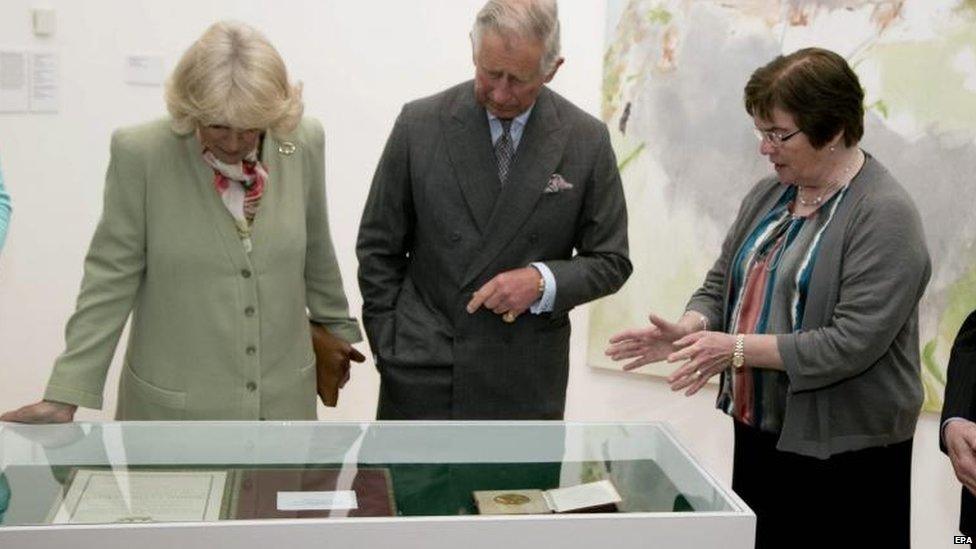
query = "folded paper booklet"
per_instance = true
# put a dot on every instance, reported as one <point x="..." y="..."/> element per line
<point x="312" y="493"/>
<point x="592" y="497"/>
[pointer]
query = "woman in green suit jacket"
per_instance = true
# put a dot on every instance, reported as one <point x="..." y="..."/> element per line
<point x="214" y="235"/>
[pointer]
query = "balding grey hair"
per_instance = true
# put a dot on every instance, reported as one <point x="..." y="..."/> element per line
<point x="533" y="19"/>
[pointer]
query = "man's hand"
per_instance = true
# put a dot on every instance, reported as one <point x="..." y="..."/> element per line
<point x="960" y="440"/>
<point x="332" y="357"/>
<point x="44" y="411"/>
<point x="509" y="292"/>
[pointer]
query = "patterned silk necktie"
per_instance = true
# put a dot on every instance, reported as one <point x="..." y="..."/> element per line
<point x="504" y="150"/>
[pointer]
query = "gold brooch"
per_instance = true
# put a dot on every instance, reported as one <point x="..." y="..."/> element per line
<point x="286" y="148"/>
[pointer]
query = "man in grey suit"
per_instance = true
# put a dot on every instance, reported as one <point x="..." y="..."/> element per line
<point x="466" y="245"/>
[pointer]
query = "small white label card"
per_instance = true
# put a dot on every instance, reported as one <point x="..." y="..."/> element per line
<point x="144" y="70"/>
<point x="317" y="501"/>
<point x="582" y="496"/>
<point x="45" y="82"/>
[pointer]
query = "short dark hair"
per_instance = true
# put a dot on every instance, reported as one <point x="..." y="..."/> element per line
<point x="817" y="87"/>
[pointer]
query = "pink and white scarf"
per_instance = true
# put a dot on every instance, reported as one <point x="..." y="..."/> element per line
<point x="240" y="187"/>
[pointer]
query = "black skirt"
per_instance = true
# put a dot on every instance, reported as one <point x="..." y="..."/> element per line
<point x="858" y="498"/>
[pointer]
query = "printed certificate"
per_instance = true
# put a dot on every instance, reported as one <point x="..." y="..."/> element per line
<point x="108" y="496"/>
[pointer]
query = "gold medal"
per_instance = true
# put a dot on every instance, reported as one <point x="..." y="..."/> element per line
<point x="511" y="499"/>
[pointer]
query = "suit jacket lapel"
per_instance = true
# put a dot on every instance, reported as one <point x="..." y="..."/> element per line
<point x="469" y="148"/>
<point x="536" y="159"/>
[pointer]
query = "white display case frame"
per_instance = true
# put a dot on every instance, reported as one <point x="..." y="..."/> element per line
<point x="185" y="443"/>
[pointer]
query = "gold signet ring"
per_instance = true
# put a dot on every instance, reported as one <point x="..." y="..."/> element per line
<point x="509" y="317"/>
<point x="286" y="148"/>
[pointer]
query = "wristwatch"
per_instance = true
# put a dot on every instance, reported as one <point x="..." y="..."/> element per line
<point x="739" y="352"/>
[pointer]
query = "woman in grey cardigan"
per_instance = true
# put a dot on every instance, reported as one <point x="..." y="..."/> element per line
<point x="810" y="318"/>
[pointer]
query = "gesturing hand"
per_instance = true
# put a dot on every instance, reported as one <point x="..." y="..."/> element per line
<point x="651" y="344"/>
<point x="705" y="354"/>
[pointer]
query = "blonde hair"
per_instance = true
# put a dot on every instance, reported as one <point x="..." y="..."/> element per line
<point x="233" y="76"/>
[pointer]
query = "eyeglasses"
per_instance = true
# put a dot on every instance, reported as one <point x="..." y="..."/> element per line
<point x="775" y="138"/>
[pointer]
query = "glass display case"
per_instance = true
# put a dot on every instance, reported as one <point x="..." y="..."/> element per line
<point x="382" y="484"/>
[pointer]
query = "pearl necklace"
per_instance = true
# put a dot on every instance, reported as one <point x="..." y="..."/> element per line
<point x="830" y="188"/>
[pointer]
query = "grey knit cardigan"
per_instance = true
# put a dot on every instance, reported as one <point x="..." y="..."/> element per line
<point x="853" y="365"/>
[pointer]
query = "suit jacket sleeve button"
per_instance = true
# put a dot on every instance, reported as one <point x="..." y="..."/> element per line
<point x="455" y="236"/>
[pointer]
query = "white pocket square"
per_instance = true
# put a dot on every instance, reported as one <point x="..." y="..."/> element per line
<point x="557" y="184"/>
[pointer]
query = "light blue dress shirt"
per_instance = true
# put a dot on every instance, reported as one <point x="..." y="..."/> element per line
<point x="545" y="303"/>
<point x="5" y="210"/>
<point x="518" y="126"/>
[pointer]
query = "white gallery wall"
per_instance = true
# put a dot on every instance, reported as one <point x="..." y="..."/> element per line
<point x="359" y="61"/>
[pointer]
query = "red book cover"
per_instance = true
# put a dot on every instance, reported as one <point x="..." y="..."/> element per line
<point x="256" y="492"/>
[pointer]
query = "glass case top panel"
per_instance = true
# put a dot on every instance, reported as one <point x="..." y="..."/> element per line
<point x="206" y="471"/>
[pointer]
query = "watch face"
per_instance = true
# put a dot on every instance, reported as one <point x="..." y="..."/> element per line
<point x="738" y="361"/>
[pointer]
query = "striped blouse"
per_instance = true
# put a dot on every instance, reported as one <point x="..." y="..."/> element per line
<point x="770" y="277"/>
